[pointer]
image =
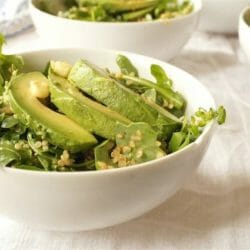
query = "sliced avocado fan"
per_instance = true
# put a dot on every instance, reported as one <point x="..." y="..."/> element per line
<point x="89" y="114"/>
<point x="120" y="5"/>
<point x="25" y="93"/>
<point x="96" y="83"/>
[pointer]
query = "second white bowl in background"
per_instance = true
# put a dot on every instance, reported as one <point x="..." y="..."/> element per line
<point x="244" y="31"/>
<point x="161" y="38"/>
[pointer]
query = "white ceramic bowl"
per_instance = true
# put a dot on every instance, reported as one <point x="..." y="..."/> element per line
<point x="221" y="16"/>
<point x="97" y="199"/>
<point x="244" y="31"/>
<point x="160" y="39"/>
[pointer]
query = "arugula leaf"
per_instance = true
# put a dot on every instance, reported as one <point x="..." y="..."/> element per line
<point x="98" y="14"/>
<point x="8" y="63"/>
<point x="47" y="159"/>
<point x="9" y="154"/>
<point x="126" y="66"/>
<point x="192" y="129"/>
<point x="38" y="151"/>
<point x="161" y="77"/>
<point x="9" y="122"/>
<point x="129" y="78"/>
<point x="178" y="141"/>
<point x="167" y="93"/>
<point x="44" y="161"/>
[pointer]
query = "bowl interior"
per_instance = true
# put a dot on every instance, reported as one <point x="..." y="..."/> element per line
<point x="196" y="94"/>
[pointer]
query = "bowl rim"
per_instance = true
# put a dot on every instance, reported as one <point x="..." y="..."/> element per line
<point x="197" y="8"/>
<point x="208" y="128"/>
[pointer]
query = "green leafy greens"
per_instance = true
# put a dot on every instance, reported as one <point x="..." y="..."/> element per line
<point x="119" y="137"/>
<point x="117" y="11"/>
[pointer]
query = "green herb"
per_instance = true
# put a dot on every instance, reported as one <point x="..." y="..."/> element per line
<point x="27" y="167"/>
<point x="9" y="122"/>
<point x="192" y="129"/>
<point x="118" y="11"/>
<point x="143" y="120"/>
<point x="161" y="77"/>
<point x="135" y="143"/>
<point x="10" y="153"/>
<point x="141" y="85"/>
<point x="163" y="86"/>
<point x="126" y="66"/>
<point x="9" y="64"/>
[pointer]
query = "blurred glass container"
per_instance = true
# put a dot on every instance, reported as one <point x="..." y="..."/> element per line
<point x="162" y="39"/>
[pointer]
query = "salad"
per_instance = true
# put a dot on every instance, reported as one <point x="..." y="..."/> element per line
<point x="80" y="117"/>
<point x="117" y="10"/>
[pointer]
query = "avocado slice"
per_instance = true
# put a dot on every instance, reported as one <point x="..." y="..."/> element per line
<point x="24" y="94"/>
<point x="89" y="114"/>
<point x="53" y="7"/>
<point x="96" y="83"/>
<point x="121" y="5"/>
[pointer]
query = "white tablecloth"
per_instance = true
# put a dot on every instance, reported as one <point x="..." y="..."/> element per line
<point x="213" y="210"/>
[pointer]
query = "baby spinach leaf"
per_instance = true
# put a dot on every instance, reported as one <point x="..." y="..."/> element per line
<point x="103" y="155"/>
<point x="135" y="143"/>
